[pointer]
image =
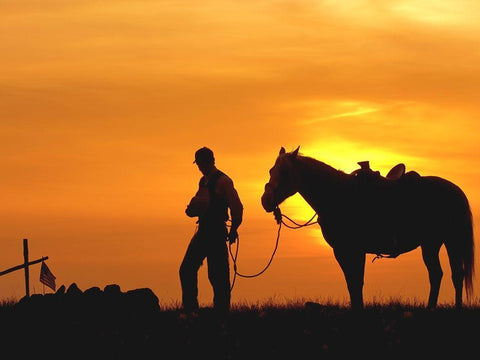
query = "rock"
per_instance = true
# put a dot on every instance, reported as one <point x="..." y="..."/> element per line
<point x="142" y="300"/>
<point x="73" y="290"/>
<point x="95" y="290"/>
<point x="112" y="289"/>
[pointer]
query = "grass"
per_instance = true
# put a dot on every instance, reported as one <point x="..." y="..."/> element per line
<point x="269" y="329"/>
<point x="7" y="304"/>
<point x="276" y="302"/>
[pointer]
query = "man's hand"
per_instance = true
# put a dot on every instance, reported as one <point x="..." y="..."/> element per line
<point x="197" y="205"/>
<point x="232" y="236"/>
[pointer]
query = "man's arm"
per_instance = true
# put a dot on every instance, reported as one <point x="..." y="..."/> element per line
<point x="236" y="207"/>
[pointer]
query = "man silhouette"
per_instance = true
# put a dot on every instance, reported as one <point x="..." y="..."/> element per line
<point x="216" y="194"/>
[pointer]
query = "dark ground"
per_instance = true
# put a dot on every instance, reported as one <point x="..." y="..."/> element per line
<point x="110" y="326"/>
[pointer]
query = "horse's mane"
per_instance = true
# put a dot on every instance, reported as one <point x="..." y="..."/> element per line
<point x="318" y="167"/>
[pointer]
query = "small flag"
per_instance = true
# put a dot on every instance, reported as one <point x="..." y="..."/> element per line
<point x="46" y="276"/>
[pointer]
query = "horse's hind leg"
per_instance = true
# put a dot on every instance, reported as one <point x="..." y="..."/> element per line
<point x="435" y="273"/>
<point x="456" y="265"/>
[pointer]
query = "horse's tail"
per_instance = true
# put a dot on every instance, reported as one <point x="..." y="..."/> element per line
<point x="461" y="241"/>
<point x="459" y="237"/>
<point x="468" y="248"/>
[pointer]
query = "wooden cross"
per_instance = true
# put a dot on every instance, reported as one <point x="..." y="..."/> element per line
<point x="25" y="266"/>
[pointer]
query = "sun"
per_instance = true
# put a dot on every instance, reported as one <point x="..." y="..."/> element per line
<point x="297" y="209"/>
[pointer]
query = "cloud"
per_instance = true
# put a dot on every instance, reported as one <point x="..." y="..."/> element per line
<point x="245" y="77"/>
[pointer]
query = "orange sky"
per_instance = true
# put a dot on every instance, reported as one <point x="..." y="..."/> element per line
<point x="103" y="104"/>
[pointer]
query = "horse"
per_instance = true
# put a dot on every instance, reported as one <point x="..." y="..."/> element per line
<point x="364" y="213"/>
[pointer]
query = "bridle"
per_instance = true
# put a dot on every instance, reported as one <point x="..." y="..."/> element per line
<point x="279" y="219"/>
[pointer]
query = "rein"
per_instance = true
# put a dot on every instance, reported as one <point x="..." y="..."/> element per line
<point x="279" y="219"/>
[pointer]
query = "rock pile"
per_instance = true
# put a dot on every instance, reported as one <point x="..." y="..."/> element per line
<point x="93" y="304"/>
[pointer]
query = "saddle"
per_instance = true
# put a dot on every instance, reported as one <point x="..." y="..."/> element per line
<point x="395" y="173"/>
<point x="383" y="197"/>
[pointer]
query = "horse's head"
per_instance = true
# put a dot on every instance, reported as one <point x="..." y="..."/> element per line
<point x="283" y="180"/>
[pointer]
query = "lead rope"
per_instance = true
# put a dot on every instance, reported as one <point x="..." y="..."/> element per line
<point x="279" y="219"/>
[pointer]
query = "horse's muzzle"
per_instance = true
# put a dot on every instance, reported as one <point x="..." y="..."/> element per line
<point x="268" y="199"/>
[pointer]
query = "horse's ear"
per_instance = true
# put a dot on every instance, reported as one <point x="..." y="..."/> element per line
<point x="282" y="151"/>
<point x="295" y="152"/>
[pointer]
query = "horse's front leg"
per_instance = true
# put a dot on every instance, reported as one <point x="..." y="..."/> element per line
<point x="352" y="263"/>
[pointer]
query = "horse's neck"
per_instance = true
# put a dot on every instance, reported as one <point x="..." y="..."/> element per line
<point x="320" y="185"/>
